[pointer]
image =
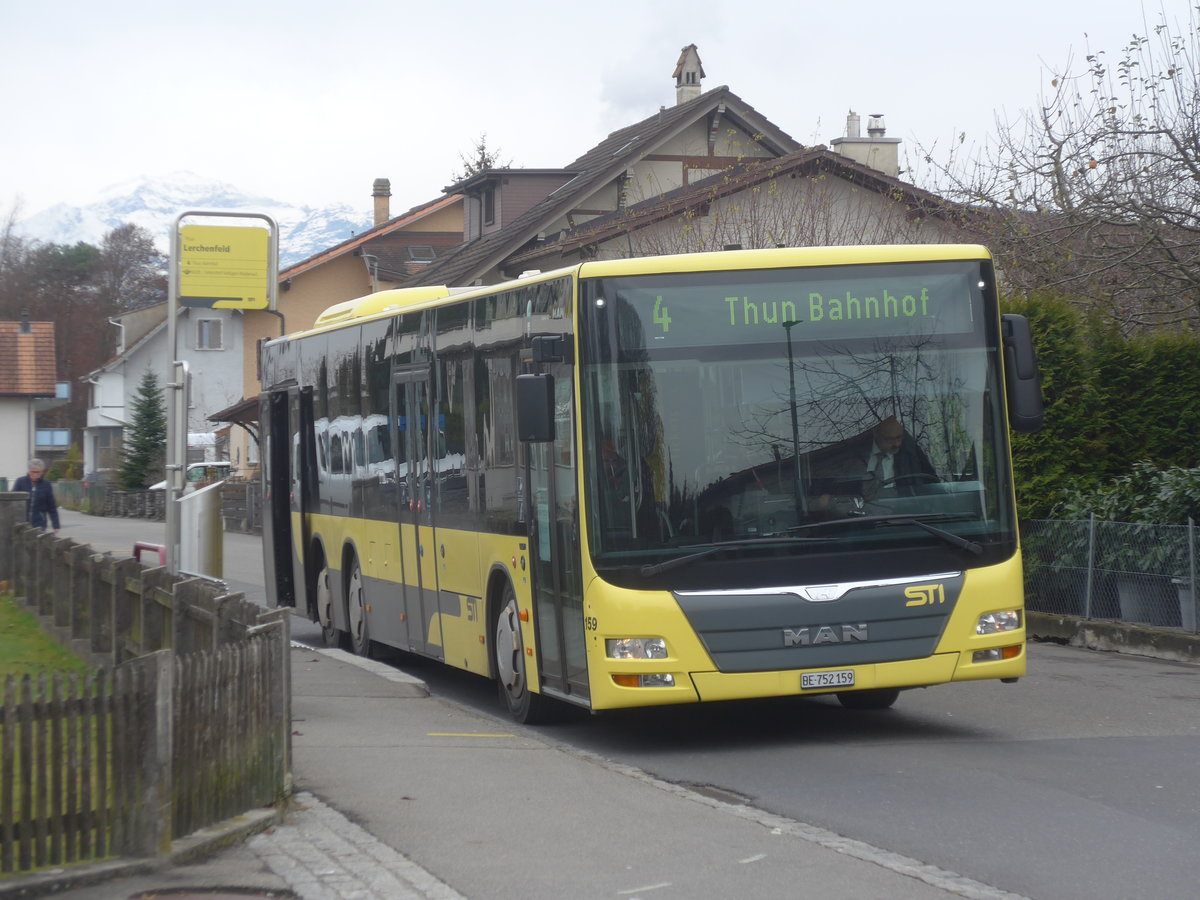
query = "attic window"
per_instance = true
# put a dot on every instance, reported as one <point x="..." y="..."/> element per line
<point x="489" y="205"/>
<point x="421" y="253"/>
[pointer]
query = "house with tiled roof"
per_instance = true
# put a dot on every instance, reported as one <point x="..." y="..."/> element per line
<point x="812" y="197"/>
<point x="711" y="172"/>
<point x="701" y="136"/>
<point x="28" y="383"/>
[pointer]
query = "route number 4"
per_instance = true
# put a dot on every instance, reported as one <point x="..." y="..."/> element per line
<point x="661" y="316"/>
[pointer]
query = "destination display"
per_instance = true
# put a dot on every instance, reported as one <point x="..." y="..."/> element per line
<point x="812" y="304"/>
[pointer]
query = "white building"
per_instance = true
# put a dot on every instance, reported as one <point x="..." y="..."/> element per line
<point x="209" y="341"/>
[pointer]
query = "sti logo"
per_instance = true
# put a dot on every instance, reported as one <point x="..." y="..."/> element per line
<point x="925" y="595"/>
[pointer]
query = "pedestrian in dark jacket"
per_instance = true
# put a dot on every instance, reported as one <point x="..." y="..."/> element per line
<point x="42" y="509"/>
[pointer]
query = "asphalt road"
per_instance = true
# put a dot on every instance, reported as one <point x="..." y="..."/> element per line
<point x="1080" y="781"/>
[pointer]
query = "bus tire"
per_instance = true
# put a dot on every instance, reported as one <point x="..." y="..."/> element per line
<point x="333" y="636"/>
<point x="356" y="611"/>
<point x="509" y="656"/>
<point x="880" y="698"/>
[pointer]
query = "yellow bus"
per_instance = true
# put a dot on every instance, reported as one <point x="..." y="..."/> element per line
<point x="663" y="480"/>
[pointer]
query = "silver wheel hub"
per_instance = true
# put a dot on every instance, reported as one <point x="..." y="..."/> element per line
<point x="324" y="600"/>
<point x="355" y="605"/>
<point x="508" y="650"/>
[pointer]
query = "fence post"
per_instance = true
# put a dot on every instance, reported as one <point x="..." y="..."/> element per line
<point x="44" y="553"/>
<point x="1192" y="576"/>
<point x="12" y="511"/>
<point x="60" y="581"/>
<point x="1091" y="567"/>
<point x="81" y="592"/>
<point x="150" y="821"/>
<point x="278" y="623"/>
<point x="164" y="751"/>
<point x="127" y="610"/>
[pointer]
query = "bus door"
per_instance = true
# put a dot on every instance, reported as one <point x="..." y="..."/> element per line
<point x="415" y="477"/>
<point x="558" y="587"/>
<point x="277" y="485"/>
<point x="302" y="494"/>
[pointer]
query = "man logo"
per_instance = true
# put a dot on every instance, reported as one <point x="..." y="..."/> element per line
<point x="925" y="594"/>
<point x="825" y="634"/>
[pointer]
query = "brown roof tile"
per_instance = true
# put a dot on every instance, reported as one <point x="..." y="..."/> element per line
<point x="27" y="361"/>
<point x="739" y="178"/>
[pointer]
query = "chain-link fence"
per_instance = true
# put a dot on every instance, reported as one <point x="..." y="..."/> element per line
<point x="1112" y="570"/>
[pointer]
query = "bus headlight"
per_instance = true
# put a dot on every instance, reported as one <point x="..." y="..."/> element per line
<point x="996" y="654"/>
<point x="997" y="622"/>
<point x="635" y="648"/>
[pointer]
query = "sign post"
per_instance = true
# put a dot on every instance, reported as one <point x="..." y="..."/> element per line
<point x="213" y="266"/>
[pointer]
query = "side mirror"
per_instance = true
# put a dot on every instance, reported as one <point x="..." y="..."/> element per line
<point x="535" y="408"/>
<point x="1022" y="381"/>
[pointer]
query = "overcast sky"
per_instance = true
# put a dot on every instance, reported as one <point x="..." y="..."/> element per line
<point x="308" y="102"/>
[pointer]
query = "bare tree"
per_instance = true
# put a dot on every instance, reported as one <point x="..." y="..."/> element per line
<point x="14" y="275"/>
<point x="1098" y="190"/>
<point x="130" y="271"/>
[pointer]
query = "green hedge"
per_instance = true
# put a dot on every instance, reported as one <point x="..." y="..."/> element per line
<point x="1111" y="401"/>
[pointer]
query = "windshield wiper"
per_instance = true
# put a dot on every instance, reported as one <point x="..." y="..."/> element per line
<point x="713" y="549"/>
<point x="918" y="519"/>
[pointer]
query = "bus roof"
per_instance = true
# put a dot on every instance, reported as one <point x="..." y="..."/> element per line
<point x="782" y="257"/>
<point x="380" y="301"/>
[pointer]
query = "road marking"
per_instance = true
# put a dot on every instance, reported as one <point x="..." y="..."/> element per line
<point x="755" y="858"/>
<point x="466" y="734"/>
<point x="649" y="887"/>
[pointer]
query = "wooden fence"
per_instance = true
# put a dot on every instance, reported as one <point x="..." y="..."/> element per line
<point x="109" y="610"/>
<point x="186" y="724"/>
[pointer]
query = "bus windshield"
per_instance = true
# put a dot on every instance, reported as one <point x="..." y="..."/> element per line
<point x="782" y="413"/>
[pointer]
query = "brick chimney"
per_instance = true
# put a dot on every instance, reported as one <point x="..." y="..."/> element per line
<point x="875" y="150"/>
<point x="382" y="192"/>
<point x="687" y="74"/>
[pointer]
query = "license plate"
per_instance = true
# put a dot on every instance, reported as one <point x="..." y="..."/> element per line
<point x="841" y="678"/>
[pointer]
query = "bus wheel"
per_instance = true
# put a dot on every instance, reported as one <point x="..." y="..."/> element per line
<point x="334" y="637"/>
<point x="522" y="704"/>
<point x="876" y="699"/>
<point x="356" y="611"/>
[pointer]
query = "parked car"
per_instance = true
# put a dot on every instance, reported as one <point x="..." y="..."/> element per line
<point x="200" y="474"/>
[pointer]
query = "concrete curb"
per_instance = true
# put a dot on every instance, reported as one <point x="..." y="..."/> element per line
<point x="1115" y="637"/>
<point x="197" y="845"/>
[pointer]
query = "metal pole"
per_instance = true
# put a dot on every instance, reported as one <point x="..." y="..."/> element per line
<point x="1195" y="601"/>
<point x="1087" y="594"/>
<point x="174" y="458"/>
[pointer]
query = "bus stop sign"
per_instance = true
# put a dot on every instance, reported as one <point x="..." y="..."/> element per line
<point x="224" y="267"/>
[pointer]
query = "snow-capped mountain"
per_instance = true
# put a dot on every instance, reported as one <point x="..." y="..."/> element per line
<point x="155" y="203"/>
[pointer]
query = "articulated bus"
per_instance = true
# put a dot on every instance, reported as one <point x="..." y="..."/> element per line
<point x="649" y="481"/>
